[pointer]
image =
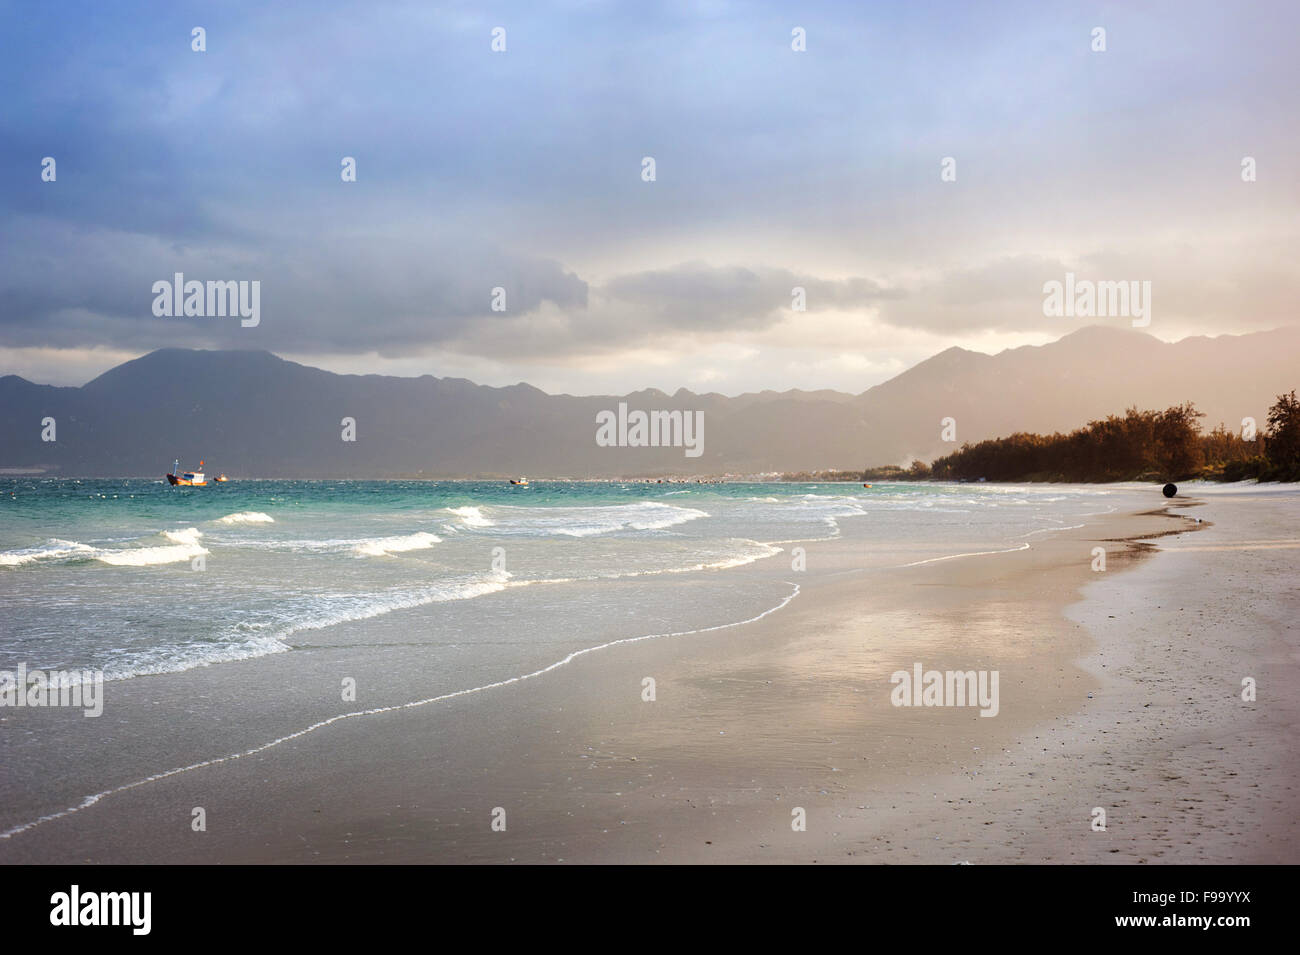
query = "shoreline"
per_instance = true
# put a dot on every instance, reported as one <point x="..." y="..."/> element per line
<point x="788" y="709"/>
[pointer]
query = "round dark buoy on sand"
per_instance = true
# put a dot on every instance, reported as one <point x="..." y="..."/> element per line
<point x="1170" y="490"/>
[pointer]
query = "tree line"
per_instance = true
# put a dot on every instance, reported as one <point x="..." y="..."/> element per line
<point x="1164" y="445"/>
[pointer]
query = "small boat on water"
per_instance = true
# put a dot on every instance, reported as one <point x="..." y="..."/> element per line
<point x="179" y="478"/>
<point x="222" y="479"/>
<point x="519" y="482"/>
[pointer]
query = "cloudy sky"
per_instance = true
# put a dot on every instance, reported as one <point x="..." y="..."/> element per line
<point x="522" y="170"/>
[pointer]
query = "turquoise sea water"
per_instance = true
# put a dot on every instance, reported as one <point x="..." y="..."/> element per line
<point x="135" y="577"/>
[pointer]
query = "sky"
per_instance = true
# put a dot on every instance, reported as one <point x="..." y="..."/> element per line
<point x="523" y="169"/>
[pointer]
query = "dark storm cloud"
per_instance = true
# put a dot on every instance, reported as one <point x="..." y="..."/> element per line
<point x="339" y="296"/>
<point x="521" y="169"/>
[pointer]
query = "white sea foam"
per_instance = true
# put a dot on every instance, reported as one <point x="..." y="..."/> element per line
<point x="184" y="546"/>
<point x="577" y="521"/>
<point x="149" y="556"/>
<point x="52" y="549"/>
<point x="174" y="658"/>
<point x="471" y="516"/>
<point x="330" y="610"/>
<point x="188" y="535"/>
<point x="384" y="546"/>
<point x="246" y="517"/>
<point x="659" y="519"/>
<point x="592" y="521"/>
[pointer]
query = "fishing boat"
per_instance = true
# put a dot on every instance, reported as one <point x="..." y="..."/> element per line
<point x="222" y="479"/>
<point x="179" y="478"/>
<point x="519" y="482"/>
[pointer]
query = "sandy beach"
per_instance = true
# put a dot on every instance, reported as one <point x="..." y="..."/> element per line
<point x="1119" y="689"/>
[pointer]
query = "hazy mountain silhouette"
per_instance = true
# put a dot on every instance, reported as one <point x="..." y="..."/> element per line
<point x="252" y="414"/>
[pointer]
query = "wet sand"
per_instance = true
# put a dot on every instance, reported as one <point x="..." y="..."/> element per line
<point x="1117" y="689"/>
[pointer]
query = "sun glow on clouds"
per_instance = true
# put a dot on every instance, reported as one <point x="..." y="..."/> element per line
<point x="778" y="172"/>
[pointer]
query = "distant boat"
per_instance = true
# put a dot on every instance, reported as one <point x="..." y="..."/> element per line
<point x="179" y="478"/>
<point x="222" y="479"/>
<point x="519" y="482"/>
<point x="866" y="485"/>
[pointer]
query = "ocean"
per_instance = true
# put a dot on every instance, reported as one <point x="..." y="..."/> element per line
<point x="473" y="580"/>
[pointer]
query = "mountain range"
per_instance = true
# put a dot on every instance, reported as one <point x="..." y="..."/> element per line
<point x="253" y="414"/>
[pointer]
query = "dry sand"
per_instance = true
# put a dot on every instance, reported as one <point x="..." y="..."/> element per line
<point x="1126" y="698"/>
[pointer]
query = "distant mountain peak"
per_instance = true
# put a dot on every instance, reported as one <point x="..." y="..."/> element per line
<point x="253" y="413"/>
